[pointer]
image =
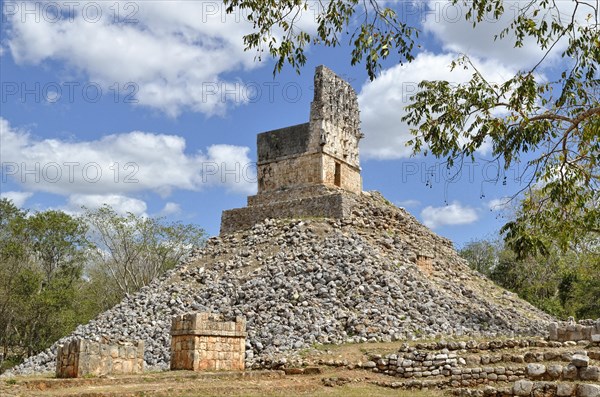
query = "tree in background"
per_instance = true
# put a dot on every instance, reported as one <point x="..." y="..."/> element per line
<point x="130" y="251"/>
<point x="59" y="270"/>
<point x="42" y="259"/>
<point x="482" y="255"/>
<point x="562" y="283"/>
<point x="13" y="257"/>
<point x="551" y="126"/>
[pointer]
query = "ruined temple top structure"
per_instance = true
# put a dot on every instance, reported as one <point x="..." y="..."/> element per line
<point x="306" y="169"/>
<point x="323" y="151"/>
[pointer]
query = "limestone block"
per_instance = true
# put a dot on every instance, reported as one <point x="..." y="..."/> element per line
<point x="565" y="389"/>
<point x="536" y="371"/>
<point x="570" y="372"/>
<point x="553" y="331"/>
<point x="591" y="373"/>
<point x="587" y="390"/>
<point x="554" y="371"/>
<point x="580" y="360"/>
<point x="208" y="343"/>
<point x="522" y="387"/>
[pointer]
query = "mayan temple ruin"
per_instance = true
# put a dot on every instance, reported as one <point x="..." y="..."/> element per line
<point x="312" y="262"/>
<point x="304" y="170"/>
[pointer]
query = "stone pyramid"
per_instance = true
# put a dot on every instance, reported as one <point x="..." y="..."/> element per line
<point x="314" y="259"/>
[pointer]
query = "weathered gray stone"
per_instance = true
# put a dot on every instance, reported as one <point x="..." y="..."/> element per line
<point x="580" y="360"/>
<point x="587" y="390"/>
<point x="570" y="372"/>
<point x="582" y="331"/>
<point x="369" y="364"/>
<point x="565" y="389"/>
<point x="522" y="387"/>
<point x="536" y="370"/>
<point x="589" y="373"/>
<point x="554" y="371"/>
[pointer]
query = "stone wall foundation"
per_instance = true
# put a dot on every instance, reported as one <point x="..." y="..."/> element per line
<point x="205" y="342"/>
<point x="84" y="357"/>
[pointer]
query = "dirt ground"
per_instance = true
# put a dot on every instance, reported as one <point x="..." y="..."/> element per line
<point x="189" y="384"/>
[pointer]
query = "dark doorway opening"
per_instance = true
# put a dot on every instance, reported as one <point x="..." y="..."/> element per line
<point x="337" y="178"/>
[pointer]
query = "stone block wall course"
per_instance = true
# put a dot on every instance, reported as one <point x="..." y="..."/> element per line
<point x="584" y="330"/>
<point x="282" y="143"/>
<point x="83" y="357"/>
<point x="290" y="173"/>
<point x="334" y="205"/>
<point x="350" y="178"/>
<point x="206" y="342"/>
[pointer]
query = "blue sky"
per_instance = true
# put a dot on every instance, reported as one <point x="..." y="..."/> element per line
<point x="153" y="107"/>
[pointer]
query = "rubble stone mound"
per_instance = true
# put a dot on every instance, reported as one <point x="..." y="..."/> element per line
<point x="377" y="275"/>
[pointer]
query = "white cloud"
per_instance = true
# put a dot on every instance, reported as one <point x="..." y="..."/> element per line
<point x="382" y="101"/>
<point x="121" y="204"/>
<point x="175" y="52"/>
<point x="122" y="164"/>
<point x="170" y="208"/>
<point x="453" y="214"/>
<point x="18" y="198"/>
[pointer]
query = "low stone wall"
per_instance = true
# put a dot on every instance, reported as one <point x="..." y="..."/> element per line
<point x="527" y="388"/>
<point x="423" y="365"/>
<point x="588" y="330"/>
<point x="205" y="341"/>
<point x="423" y="371"/>
<point x="327" y="206"/>
<point x="83" y="357"/>
<point x="297" y="193"/>
<point x="578" y="369"/>
<point x="463" y="368"/>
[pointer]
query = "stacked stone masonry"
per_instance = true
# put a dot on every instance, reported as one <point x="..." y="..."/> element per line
<point x="527" y="388"/>
<point x="329" y="204"/>
<point x="323" y="151"/>
<point x="588" y="330"/>
<point x="307" y="170"/>
<point x="83" y="357"/>
<point x="486" y="369"/>
<point x="471" y="363"/>
<point x="206" y="342"/>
